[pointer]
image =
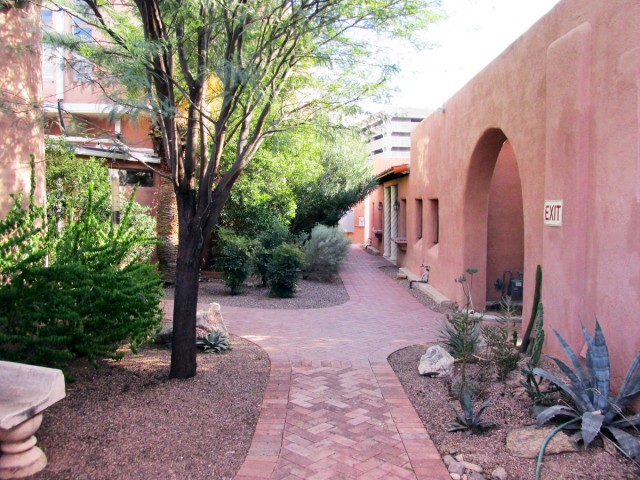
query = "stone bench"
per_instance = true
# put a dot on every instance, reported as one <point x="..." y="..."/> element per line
<point x="25" y="391"/>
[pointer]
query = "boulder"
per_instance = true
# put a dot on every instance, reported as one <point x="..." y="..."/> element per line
<point x="436" y="362"/>
<point x="207" y="321"/>
<point x="210" y="320"/>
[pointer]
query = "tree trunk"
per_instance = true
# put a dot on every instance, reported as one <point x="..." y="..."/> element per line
<point x="183" y="352"/>
<point x="166" y="215"/>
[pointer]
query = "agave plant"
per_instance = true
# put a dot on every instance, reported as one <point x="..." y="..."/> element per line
<point x="466" y="419"/>
<point x="598" y="411"/>
<point x="215" y="342"/>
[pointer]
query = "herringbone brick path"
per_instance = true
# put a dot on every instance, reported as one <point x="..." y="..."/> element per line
<point x="333" y="407"/>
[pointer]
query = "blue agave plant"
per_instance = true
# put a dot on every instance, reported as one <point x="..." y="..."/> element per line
<point x="589" y="389"/>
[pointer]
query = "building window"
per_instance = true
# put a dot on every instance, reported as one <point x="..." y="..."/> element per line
<point x="82" y="31"/>
<point x="376" y="152"/>
<point x="48" y="61"/>
<point x="142" y="178"/>
<point x="400" y="149"/>
<point x="400" y="134"/>
<point x="419" y="218"/>
<point x="434" y="220"/>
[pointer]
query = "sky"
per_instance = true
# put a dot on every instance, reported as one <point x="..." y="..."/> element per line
<point x="473" y="34"/>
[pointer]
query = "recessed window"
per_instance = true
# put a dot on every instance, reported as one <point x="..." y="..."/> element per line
<point x="419" y="218"/>
<point x="434" y="220"/>
<point x="142" y="178"/>
<point x="400" y="149"/>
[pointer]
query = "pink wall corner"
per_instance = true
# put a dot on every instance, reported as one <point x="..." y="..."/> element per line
<point x="20" y="90"/>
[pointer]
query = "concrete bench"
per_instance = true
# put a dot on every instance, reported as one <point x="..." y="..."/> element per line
<point x="25" y="391"/>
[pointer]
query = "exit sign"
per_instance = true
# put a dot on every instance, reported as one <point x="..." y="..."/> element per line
<point x="553" y="213"/>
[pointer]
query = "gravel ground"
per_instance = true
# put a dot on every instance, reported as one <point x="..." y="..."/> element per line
<point x="309" y="295"/>
<point x="128" y="421"/>
<point x="509" y="410"/>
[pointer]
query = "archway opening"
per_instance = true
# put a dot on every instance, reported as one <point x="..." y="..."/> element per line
<point x="493" y="219"/>
<point x="505" y="230"/>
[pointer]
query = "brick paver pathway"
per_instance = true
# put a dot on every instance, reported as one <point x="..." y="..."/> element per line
<point x="333" y="407"/>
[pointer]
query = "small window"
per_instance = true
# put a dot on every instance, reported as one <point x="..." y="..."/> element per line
<point x="48" y="61"/>
<point x="434" y="220"/>
<point x="376" y="152"/>
<point x="377" y="137"/>
<point x="82" y="69"/>
<point x="400" y="134"/>
<point x="47" y="18"/>
<point x="82" y="31"/>
<point x="142" y="178"/>
<point x="419" y="218"/>
<point x="400" y="149"/>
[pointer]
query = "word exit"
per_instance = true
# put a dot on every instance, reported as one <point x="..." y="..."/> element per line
<point x="553" y="213"/>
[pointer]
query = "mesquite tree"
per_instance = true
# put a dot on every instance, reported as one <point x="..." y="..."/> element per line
<point x="225" y="74"/>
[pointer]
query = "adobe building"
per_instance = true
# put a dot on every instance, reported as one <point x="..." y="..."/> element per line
<point x="536" y="161"/>
<point x="78" y="110"/>
<point x="20" y="98"/>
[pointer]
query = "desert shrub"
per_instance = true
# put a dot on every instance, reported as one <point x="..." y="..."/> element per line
<point x="236" y="259"/>
<point x="77" y="293"/>
<point x="268" y="241"/>
<point x="284" y="270"/>
<point x="501" y="351"/>
<point x="67" y="179"/>
<point x="460" y="335"/>
<point x="325" y="251"/>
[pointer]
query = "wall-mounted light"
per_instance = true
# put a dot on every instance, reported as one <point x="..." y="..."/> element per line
<point x="380" y="206"/>
<point x="396" y="206"/>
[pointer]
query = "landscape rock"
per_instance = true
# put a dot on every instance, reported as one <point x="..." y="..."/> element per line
<point x="436" y="362"/>
<point x="210" y="320"/>
<point x="456" y="467"/>
<point x="447" y="459"/>
<point x="472" y="467"/>
<point x="476" y="476"/>
<point x="499" y="473"/>
<point x="207" y="321"/>
<point x="525" y="442"/>
<point x="455" y="476"/>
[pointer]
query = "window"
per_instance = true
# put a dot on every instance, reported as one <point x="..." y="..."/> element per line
<point x="376" y="152"/>
<point x="419" y="218"/>
<point x="48" y="61"/>
<point x="434" y="220"/>
<point x="400" y="149"/>
<point x="82" y="31"/>
<point x="400" y="134"/>
<point x="142" y="178"/>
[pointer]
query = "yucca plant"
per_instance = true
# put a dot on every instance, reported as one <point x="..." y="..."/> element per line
<point x="598" y="412"/>
<point x="466" y="419"/>
<point x="215" y="342"/>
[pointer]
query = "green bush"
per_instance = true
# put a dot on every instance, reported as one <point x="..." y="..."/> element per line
<point x="76" y="292"/>
<point x="325" y="251"/>
<point x="284" y="270"/>
<point x="269" y="240"/>
<point x="237" y="259"/>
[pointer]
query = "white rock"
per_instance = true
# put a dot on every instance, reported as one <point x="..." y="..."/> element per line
<point x="455" y="476"/>
<point x="456" y="467"/>
<point x="210" y="320"/>
<point x="499" y="474"/>
<point x="447" y="459"/>
<point x="472" y="466"/>
<point x="436" y="362"/>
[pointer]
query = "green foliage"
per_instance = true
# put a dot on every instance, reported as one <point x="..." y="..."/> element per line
<point x="597" y="410"/>
<point x="91" y="296"/>
<point x="269" y="240"/>
<point x="284" y="270"/>
<point x="344" y="179"/>
<point x="533" y="387"/>
<point x="325" y="251"/>
<point x="538" y="339"/>
<point x="466" y="418"/>
<point x="500" y="348"/>
<point x="460" y="335"/>
<point x="215" y="342"/>
<point x="67" y="180"/>
<point x="536" y="300"/>
<point x="236" y="259"/>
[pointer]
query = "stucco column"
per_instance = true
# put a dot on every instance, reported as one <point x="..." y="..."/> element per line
<point x="386" y="214"/>
<point x="394" y="223"/>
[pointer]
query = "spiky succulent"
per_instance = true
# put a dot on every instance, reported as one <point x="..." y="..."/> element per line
<point x="215" y="342"/>
<point x="589" y="391"/>
<point x="466" y="419"/>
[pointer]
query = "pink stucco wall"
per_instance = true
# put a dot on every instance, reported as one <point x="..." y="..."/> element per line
<point x="566" y="97"/>
<point x="20" y="94"/>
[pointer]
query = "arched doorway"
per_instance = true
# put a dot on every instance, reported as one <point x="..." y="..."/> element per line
<point x="493" y="214"/>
